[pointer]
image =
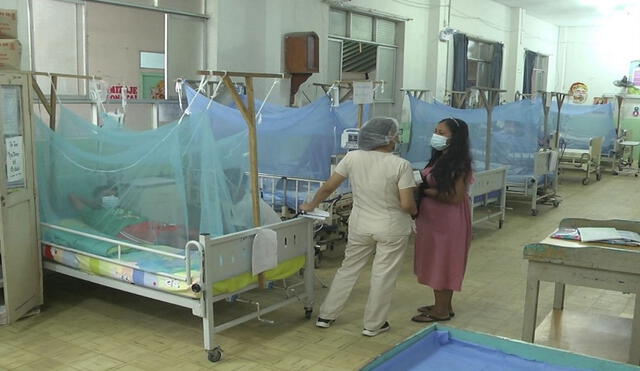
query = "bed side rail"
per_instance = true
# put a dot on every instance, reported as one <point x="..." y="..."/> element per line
<point x="595" y="149"/>
<point x="293" y="190"/>
<point x="545" y="162"/>
<point x="230" y="255"/>
<point x="190" y="245"/>
<point x="488" y="180"/>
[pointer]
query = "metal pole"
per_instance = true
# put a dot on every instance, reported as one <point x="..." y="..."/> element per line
<point x="559" y="101"/>
<point x="620" y="99"/>
<point x="53" y="102"/>
<point x="545" y="109"/>
<point x="487" y="145"/>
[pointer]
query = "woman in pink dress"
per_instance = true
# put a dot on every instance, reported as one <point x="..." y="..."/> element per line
<point x="443" y="224"/>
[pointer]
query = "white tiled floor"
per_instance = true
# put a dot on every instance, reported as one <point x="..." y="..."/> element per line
<point x="86" y="327"/>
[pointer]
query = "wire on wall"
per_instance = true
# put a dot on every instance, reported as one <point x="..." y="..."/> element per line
<point x="419" y="4"/>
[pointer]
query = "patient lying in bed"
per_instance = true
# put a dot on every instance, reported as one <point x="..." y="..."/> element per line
<point x="104" y="214"/>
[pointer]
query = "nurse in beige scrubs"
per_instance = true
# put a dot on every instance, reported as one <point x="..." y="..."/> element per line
<point x="380" y="222"/>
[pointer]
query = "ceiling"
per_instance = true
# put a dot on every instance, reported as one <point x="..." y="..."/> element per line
<point x="576" y="12"/>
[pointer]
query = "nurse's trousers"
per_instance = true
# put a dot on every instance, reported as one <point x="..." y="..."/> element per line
<point x="387" y="262"/>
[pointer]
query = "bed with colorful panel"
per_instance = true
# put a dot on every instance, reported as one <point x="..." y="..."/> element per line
<point x="204" y="272"/>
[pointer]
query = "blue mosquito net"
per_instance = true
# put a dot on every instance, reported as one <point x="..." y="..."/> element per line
<point x="292" y="142"/>
<point x="157" y="187"/>
<point x="579" y="123"/>
<point x="514" y="139"/>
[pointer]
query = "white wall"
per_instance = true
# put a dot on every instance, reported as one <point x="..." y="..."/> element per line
<point x="249" y="36"/>
<point x="515" y="29"/>
<point x="484" y="19"/>
<point x="597" y="55"/>
<point x="115" y="40"/>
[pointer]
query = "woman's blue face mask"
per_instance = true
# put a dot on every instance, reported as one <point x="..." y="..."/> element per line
<point x="439" y="142"/>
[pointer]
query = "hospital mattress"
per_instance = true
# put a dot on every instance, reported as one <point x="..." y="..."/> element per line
<point x="149" y="270"/>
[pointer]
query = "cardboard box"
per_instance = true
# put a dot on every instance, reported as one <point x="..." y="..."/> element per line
<point x="8" y="24"/>
<point x="10" y="54"/>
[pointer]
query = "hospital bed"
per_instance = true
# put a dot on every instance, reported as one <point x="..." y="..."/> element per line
<point x="489" y="189"/>
<point x="286" y="195"/>
<point x="204" y="272"/>
<point x="487" y="192"/>
<point x="586" y="160"/>
<point x="538" y="185"/>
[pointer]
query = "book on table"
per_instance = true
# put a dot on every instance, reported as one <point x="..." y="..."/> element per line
<point x="604" y="235"/>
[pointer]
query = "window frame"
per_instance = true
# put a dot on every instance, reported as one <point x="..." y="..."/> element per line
<point x="374" y="41"/>
<point x="540" y="70"/>
<point x="478" y="61"/>
<point x="84" y="59"/>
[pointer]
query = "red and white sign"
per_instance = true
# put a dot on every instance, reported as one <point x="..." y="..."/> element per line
<point x="115" y="92"/>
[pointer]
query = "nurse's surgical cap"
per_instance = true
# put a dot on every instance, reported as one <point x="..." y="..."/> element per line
<point x="377" y="132"/>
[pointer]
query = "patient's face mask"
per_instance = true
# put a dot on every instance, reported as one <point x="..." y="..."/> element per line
<point x="439" y="142"/>
<point x="110" y="202"/>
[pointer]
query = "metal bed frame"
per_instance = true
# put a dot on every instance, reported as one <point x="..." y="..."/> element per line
<point x="545" y="163"/>
<point x="222" y="258"/>
<point x="489" y="187"/>
<point x="332" y="229"/>
<point x="587" y="160"/>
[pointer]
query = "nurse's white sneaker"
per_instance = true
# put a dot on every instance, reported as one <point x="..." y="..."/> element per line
<point x="382" y="329"/>
<point x="324" y="323"/>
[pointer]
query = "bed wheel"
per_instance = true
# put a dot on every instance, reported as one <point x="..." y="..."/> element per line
<point x="585" y="181"/>
<point x="598" y="177"/>
<point x="214" y="355"/>
<point x="500" y="223"/>
<point x="555" y="203"/>
<point x="636" y="175"/>
<point x="534" y="212"/>
<point x="307" y="312"/>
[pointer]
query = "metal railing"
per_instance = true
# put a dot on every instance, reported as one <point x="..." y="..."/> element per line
<point x="120" y="244"/>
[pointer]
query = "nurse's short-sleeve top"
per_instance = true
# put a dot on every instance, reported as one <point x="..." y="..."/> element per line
<point x="376" y="179"/>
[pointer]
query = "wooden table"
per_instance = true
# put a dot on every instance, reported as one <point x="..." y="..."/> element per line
<point x="603" y="266"/>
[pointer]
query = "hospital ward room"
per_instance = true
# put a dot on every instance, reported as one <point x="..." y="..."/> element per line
<point x="320" y="185"/>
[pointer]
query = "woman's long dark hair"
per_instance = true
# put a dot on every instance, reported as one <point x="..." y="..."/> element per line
<point x="455" y="161"/>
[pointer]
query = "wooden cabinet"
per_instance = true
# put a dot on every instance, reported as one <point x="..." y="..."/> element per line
<point x="302" y="53"/>
<point x="302" y="57"/>
<point x="20" y="259"/>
